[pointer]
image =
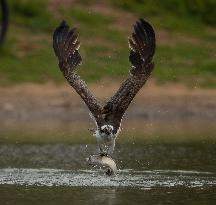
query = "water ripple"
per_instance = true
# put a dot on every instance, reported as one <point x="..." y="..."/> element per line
<point x="144" y="179"/>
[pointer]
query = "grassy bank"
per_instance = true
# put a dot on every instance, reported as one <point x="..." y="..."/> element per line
<point x="185" y="53"/>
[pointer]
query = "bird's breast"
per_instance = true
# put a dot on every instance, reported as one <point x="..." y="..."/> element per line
<point x="103" y="138"/>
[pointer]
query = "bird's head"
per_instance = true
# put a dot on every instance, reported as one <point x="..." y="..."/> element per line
<point x="107" y="129"/>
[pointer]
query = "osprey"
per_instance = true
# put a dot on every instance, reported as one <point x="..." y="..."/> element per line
<point x="108" y="117"/>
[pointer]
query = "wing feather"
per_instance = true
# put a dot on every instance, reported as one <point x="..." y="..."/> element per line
<point x="142" y="45"/>
<point x="66" y="46"/>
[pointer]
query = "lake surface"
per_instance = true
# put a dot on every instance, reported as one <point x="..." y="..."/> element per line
<point x="159" y="173"/>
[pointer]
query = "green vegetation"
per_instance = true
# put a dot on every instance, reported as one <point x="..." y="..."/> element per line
<point x="185" y="53"/>
<point x="200" y="10"/>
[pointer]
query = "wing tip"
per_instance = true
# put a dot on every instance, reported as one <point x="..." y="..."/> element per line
<point x="142" y="45"/>
<point x="143" y="34"/>
<point x="66" y="44"/>
<point x="63" y="23"/>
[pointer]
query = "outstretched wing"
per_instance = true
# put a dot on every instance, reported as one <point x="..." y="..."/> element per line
<point x="142" y="45"/>
<point x="66" y="46"/>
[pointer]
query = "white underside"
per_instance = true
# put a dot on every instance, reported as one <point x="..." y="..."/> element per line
<point x="106" y="143"/>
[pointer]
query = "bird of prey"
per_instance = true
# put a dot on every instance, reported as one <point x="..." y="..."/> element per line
<point x="108" y="117"/>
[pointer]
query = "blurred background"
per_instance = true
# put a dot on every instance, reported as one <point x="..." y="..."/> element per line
<point x="166" y="150"/>
<point x="178" y="100"/>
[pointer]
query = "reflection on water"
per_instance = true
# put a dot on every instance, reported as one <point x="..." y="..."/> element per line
<point x="153" y="173"/>
<point x="24" y="195"/>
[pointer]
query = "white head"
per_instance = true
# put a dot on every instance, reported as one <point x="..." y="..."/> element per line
<point x="107" y="129"/>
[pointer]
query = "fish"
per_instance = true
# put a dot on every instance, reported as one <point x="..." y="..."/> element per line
<point x="103" y="161"/>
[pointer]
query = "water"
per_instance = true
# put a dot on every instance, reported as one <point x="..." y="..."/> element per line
<point x="148" y="173"/>
<point x="124" y="178"/>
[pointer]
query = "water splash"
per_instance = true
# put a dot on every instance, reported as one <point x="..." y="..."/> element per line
<point x="146" y="179"/>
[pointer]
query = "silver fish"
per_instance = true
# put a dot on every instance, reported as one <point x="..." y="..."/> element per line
<point x="103" y="161"/>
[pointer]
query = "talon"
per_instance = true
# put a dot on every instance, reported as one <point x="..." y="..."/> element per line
<point x="103" y="154"/>
<point x="91" y="130"/>
<point x="109" y="172"/>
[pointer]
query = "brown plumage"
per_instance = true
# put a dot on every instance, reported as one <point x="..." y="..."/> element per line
<point x="142" y="45"/>
<point x="142" y="49"/>
<point x="66" y="45"/>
